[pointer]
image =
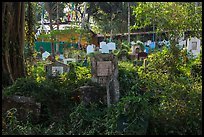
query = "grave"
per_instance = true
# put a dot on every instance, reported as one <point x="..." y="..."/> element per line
<point x="45" y="55"/>
<point x="24" y="107"/>
<point x="104" y="49"/>
<point x="111" y="46"/>
<point x="67" y="60"/>
<point x="102" y="43"/>
<point x="55" y="68"/>
<point x="149" y="42"/>
<point x="152" y="45"/>
<point x="90" y="49"/>
<point x="104" y="71"/>
<point x="134" y="48"/>
<point x="193" y="45"/>
<point x="182" y="44"/>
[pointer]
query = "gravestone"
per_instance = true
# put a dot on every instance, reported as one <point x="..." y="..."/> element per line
<point x="104" y="68"/>
<point x="104" y="71"/>
<point x="182" y="44"/>
<point x="149" y="42"/>
<point x="146" y="49"/>
<point x="90" y="49"/>
<point x="25" y="107"/>
<point x="152" y="45"/>
<point x="134" y="49"/>
<point x="45" y="55"/>
<point x="133" y="43"/>
<point x="111" y="46"/>
<point x="104" y="49"/>
<point x="56" y="68"/>
<point x="102" y="43"/>
<point x="67" y="60"/>
<point x="193" y="45"/>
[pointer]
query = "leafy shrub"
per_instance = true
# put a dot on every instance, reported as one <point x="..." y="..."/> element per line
<point x="127" y="77"/>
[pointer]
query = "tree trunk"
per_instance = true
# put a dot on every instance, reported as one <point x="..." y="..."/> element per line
<point x="13" y="19"/>
<point x="128" y="22"/>
<point x="111" y="26"/>
<point x="82" y="24"/>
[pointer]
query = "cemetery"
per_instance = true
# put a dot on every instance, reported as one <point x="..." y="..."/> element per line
<point x="80" y="68"/>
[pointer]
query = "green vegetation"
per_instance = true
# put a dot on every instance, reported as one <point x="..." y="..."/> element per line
<point x="162" y="98"/>
<point x="159" y="100"/>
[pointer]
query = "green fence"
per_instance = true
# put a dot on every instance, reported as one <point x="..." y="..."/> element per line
<point x="48" y="46"/>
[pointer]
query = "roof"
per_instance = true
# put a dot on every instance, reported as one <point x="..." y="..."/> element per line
<point x="126" y="34"/>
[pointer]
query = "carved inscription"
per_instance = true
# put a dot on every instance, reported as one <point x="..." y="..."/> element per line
<point x="104" y="68"/>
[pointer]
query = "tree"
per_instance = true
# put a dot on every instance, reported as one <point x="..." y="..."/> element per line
<point x="51" y="8"/>
<point x="13" y="20"/>
<point x="128" y="23"/>
<point x="110" y="17"/>
<point x="174" y="17"/>
<point x="30" y="22"/>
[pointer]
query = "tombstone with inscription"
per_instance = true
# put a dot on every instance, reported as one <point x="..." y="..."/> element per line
<point x="56" y="68"/>
<point x="193" y="45"/>
<point x="104" y="70"/>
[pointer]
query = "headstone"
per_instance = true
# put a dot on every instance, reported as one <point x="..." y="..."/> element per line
<point x="89" y="49"/>
<point x="133" y="43"/>
<point x="193" y="45"/>
<point x="56" y="68"/>
<point x="104" y="49"/>
<point x="134" y="47"/>
<point x="67" y="60"/>
<point x="92" y="94"/>
<point x="104" y="68"/>
<point x="45" y="55"/>
<point x="102" y="43"/>
<point x="149" y="42"/>
<point x="182" y="44"/>
<point x="159" y="43"/>
<point x="25" y="106"/>
<point x="168" y="43"/>
<point x="111" y="46"/>
<point x="152" y="45"/>
<point x="146" y="49"/>
<point x="164" y="42"/>
<point x="61" y="57"/>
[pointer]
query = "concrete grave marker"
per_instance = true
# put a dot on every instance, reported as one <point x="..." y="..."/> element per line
<point x="57" y="70"/>
<point x="149" y="42"/>
<point x="152" y="45"/>
<point x="111" y="46"/>
<point x="182" y="44"/>
<point x="89" y="49"/>
<point x="45" y="55"/>
<point x="193" y="45"/>
<point x="104" y="68"/>
<point x="102" y="43"/>
<point x="104" y="49"/>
